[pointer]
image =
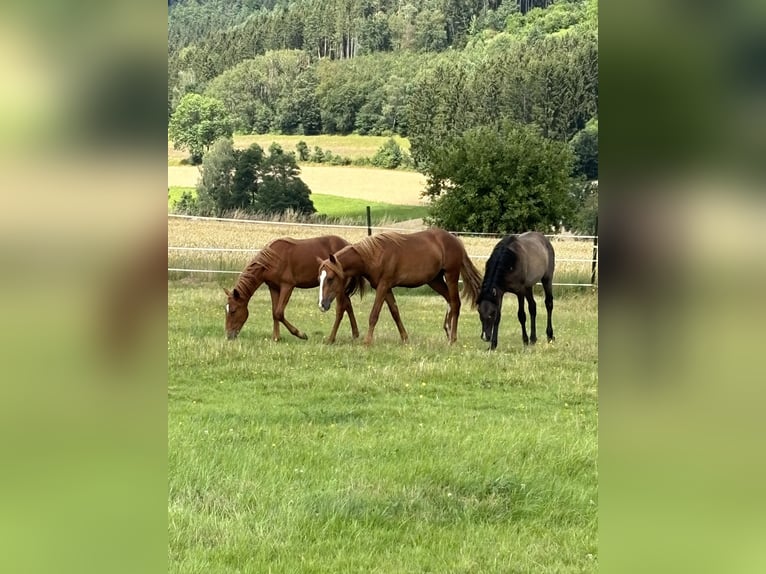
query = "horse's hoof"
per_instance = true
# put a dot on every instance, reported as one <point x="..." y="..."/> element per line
<point x="329" y="341"/>
<point x="303" y="336"/>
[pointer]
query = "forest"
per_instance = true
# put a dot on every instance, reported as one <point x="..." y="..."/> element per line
<point x="433" y="71"/>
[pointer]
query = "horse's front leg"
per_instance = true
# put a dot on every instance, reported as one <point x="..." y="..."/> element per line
<point x="380" y="294"/>
<point x="279" y="314"/>
<point x="532" y="316"/>
<point x="341" y="306"/>
<point x="548" y="287"/>
<point x="495" y="329"/>
<point x="349" y="309"/>
<point x="394" y="308"/>
<point x="522" y="319"/>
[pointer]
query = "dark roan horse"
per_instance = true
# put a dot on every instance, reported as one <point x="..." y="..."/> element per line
<point x="516" y="264"/>
<point x="283" y="265"/>
<point x="432" y="257"/>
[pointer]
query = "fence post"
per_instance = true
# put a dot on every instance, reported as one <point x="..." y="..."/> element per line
<point x="595" y="255"/>
<point x="369" y="221"/>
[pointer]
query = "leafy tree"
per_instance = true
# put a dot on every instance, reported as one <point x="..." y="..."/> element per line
<point x="303" y="150"/>
<point x="586" y="207"/>
<point x="585" y="147"/>
<point x="282" y="189"/>
<point x="318" y="155"/>
<point x="248" y="177"/>
<point x="505" y="178"/>
<point x="215" y="186"/>
<point x="388" y="156"/>
<point x="251" y="181"/>
<point x="196" y="123"/>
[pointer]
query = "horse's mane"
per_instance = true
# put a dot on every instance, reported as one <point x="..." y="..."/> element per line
<point x="368" y="247"/>
<point x="500" y="261"/>
<point x="266" y="258"/>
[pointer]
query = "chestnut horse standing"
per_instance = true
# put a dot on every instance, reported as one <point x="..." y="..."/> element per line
<point x="283" y="265"/>
<point x="432" y="257"/>
<point x="516" y="264"/>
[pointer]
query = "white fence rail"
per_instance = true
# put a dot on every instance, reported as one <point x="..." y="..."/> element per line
<point x="560" y="237"/>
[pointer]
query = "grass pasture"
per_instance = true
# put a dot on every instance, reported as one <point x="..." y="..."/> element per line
<point x="343" y="209"/>
<point x="301" y="457"/>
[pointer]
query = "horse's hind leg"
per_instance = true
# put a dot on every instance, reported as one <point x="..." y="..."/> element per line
<point x="522" y="319"/>
<point x="454" y="303"/>
<point x="548" y="287"/>
<point x="349" y="309"/>
<point x="274" y="304"/>
<point x="279" y="314"/>
<point x="532" y="316"/>
<point x="440" y="287"/>
<point x="394" y="308"/>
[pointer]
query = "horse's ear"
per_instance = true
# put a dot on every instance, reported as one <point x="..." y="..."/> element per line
<point x="235" y="293"/>
<point x="320" y="261"/>
<point x="332" y="259"/>
<point x="228" y="293"/>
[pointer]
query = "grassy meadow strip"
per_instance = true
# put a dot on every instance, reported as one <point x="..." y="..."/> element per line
<point x="353" y="146"/>
<point x="354" y="211"/>
<point x="338" y="209"/>
<point x="301" y="457"/>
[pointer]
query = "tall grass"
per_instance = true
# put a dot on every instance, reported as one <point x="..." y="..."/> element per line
<point x="572" y="255"/>
<point x="301" y="457"/>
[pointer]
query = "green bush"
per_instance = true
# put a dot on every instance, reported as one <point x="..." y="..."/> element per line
<point x="389" y="156"/>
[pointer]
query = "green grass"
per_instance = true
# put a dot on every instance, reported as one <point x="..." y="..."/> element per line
<point x="354" y="211"/>
<point x="175" y="193"/>
<point x="301" y="457"/>
<point x="349" y="210"/>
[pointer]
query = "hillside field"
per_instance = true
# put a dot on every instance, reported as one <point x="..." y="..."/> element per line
<point x="370" y="184"/>
<point x="297" y="456"/>
<point x="353" y="146"/>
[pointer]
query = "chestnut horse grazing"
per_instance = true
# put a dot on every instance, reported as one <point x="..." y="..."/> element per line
<point x="516" y="264"/>
<point x="283" y="265"/>
<point x="432" y="257"/>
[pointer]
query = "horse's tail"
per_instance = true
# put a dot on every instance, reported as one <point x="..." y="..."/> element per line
<point x="471" y="279"/>
<point x="356" y="284"/>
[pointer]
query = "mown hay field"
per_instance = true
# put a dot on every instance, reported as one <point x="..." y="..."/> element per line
<point x="383" y="185"/>
<point x="352" y="146"/>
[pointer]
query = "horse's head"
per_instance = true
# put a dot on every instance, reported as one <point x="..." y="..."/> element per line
<point x="331" y="281"/>
<point x="236" y="313"/>
<point x="489" y="313"/>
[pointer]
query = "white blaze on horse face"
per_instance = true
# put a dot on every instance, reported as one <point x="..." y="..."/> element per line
<point x="322" y="276"/>
<point x="227" y="307"/>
